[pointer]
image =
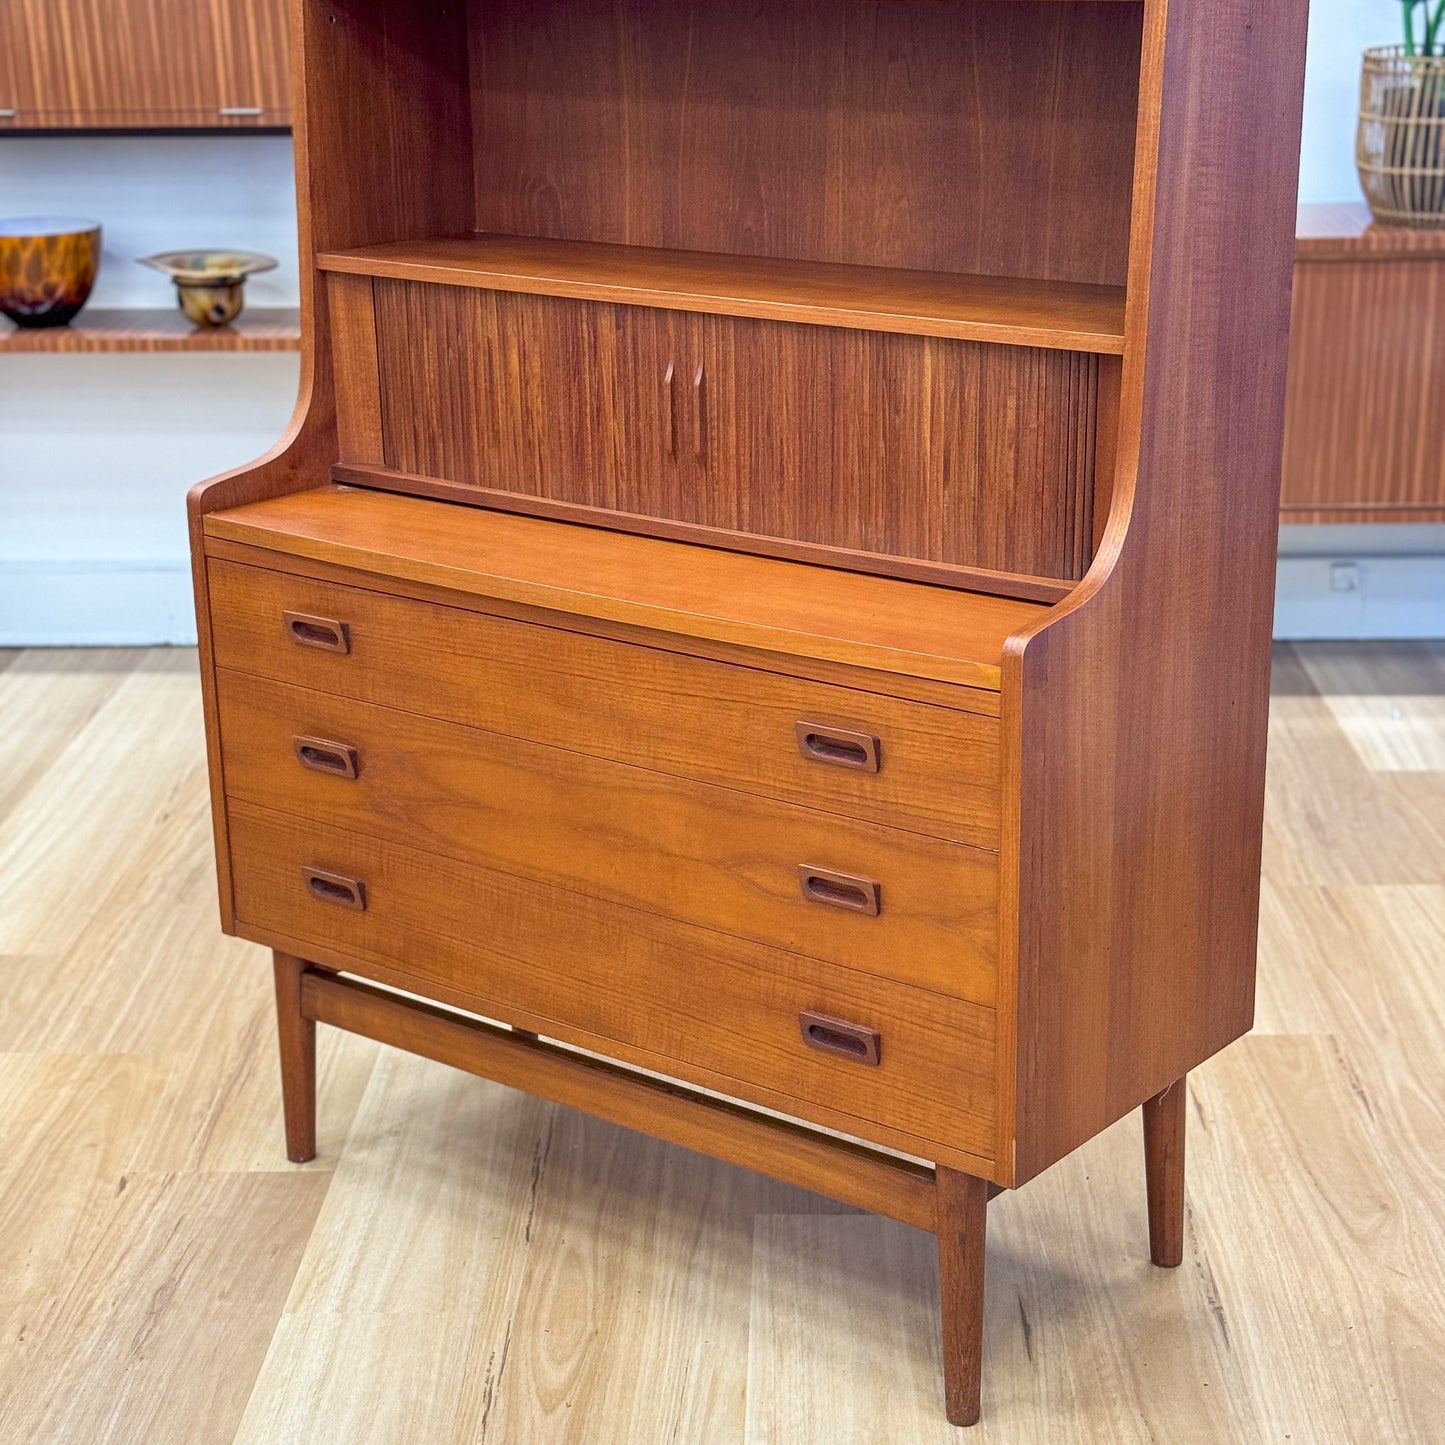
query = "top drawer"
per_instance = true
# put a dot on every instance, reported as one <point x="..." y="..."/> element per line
<point x="937" y="770"/>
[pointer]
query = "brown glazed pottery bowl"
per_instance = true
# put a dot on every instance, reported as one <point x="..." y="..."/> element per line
<point x="47" y="267"/>
<point x="209" y="283"/>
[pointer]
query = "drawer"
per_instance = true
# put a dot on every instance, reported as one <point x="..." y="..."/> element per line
<point x="716" y="1010"/>
<point x="902" y="904"/>
<point x="937" y="768"/>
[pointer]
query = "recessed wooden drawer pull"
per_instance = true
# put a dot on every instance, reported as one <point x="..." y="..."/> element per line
<point x="840" y="746"/>
<point x="321" y="755"/>
<point x="837" y="1036"/>
<point x="323" y="632"/>
<point x="839" y="890"/>
<point x="335" y="888"/>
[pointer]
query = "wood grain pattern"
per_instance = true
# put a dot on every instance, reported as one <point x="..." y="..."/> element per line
<point x="898" y="447"/>
<point x="1164" y="1118"/>
<point x="1146" y="145"/>
<point x="262" y="328"/>
<point x="692" y="717"/>
<point x="619" y="980"/>
<point x="867" y="132"/>
<point x="713" y="856"/>
<point x="949" y="696"/>
<point x="777" y="606"/>
<point x="1138" y="885"/>
<point x="1001" y="309"/>
<point x="296" y="1033"/>
<point x="358" y="375"/>
<point x="1022" y="586"/>
<point x="890" y="1186"/>
<point x="170" y="63"/>
<point x="962" y="1209"/>
<point x="1364" y="436"/>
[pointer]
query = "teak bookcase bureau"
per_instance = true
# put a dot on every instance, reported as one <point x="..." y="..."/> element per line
<point x="769" y="582"/>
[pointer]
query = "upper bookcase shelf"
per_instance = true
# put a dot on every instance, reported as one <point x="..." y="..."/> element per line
<point x="1061" y="316"/>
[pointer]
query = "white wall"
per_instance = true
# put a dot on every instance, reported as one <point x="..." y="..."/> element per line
<point x="96" y="456"/>
<point x="162" y="193"/>
<point x="97" y="452"/>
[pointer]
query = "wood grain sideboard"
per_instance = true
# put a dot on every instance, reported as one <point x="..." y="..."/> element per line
<point x="1364" y="427"/>
<point x="143" y="64"/>
<point x="759" y="628"/>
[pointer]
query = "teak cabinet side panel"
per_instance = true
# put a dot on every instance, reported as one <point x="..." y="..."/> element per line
<point x="1136" y="713"/>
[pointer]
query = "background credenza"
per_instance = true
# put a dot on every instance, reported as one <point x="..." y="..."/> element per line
<point x="143" y="64"/>
<point x="1364" y="421"/>
<point x="760" y="629"/>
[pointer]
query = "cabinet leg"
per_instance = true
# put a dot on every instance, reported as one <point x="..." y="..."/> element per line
<point x="1164" y="1172"/>
<point x="298" y="1060"/>
<point x="962" y="1204"/>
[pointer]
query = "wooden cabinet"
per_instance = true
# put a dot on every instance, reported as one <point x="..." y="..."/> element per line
<point x="771" y="583"/>
<point x="1364" y="437"/>
<point x="72" y="64"/>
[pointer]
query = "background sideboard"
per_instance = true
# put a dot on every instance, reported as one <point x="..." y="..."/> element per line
<point x="1364" y="418"/>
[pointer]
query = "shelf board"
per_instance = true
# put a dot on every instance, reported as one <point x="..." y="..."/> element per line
<point x="1057" y="315"/>
<point x="261" y="329"/>
<point x="908" y="628"/>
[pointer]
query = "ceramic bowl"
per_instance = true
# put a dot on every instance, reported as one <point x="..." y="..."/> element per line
<point x="47" y="267"/>
<point x="209" y="283"/>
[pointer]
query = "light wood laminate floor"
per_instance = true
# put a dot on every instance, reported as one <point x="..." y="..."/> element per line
<point x="464" y="1264"/>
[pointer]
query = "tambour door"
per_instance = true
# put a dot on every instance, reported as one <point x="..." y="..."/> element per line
<point x="848" y="444"/>
<point x="576" y="401"/>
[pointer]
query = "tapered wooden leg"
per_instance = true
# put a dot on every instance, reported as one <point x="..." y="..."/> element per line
<point x="962" y="1203"/>
<point x="1164" y="1173"/>
<point x="298" y="1060"/>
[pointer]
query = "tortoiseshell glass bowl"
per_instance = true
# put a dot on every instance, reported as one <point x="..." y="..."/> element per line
<point x="209" y="283"/>
<point x="47" y="268"/>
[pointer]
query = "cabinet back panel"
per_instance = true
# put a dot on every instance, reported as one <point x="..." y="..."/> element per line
<point x="989" y="137"/>
<point x="952" y="452"/>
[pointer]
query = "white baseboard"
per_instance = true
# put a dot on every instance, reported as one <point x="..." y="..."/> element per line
<point x="96" y="602"/>
<point x="1366" y="597"/>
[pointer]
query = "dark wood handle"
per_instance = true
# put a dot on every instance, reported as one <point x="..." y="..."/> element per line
<point x="838" y="1036"/>
<point x="840" y="890"/>
<point x="321" y="755"/>
<point x="699" y="415"/>
<point x="669" y="409"/>
<point x="335" y="888"/>
<point x="843" y="747"/>
<point x="323" y="632"/>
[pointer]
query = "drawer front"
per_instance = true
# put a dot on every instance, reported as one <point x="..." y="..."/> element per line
<point x="895" y="903"/>
<point x="720" y="1011"/>
<point x="937" y="769"/>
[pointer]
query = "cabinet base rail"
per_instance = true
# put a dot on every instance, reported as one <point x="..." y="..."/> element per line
<point x="943" y="1201"/>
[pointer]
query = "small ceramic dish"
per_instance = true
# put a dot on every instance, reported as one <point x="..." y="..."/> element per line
<point x="209" y="283"/>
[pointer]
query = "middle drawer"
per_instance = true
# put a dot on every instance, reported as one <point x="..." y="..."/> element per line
<point x="898" y="904"/>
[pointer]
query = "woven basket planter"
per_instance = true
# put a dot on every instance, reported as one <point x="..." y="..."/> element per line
<point x="1400" y="150"/>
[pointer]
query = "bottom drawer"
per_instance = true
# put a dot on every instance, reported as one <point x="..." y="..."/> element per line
<point x="707" y="1007"/>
